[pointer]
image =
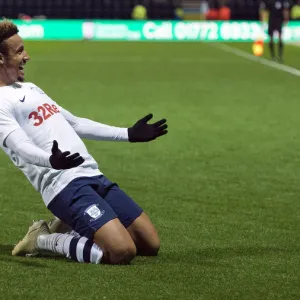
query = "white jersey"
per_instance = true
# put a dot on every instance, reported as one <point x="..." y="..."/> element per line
<point x="25" y="106"/>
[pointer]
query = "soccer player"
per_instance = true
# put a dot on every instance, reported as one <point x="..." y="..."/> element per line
<point x="278" y="15"/>
<point x="44" y="141"/>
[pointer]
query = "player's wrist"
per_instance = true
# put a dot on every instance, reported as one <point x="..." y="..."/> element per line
<point x="123" y="134"/>
<point x="130" y="134"/>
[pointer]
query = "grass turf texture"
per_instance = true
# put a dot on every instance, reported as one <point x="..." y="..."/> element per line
<point x="222" y="187"/>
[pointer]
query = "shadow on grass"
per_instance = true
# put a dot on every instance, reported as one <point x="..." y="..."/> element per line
<point x="6" y="249"/>
<point x="205" y="257"/>
<point x="213" y="256"/>
<point x="37" y="261"/>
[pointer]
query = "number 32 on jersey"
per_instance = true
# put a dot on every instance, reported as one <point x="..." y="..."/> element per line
<point x="43" y="113"/>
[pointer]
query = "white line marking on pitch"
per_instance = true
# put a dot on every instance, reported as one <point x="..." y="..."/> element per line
<point x="260" y="60"/>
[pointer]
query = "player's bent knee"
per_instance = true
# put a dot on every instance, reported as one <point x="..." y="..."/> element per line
<point x="154" y="249"/>
<point x="151" y="248"/>
<point x="122" y="255"/>
<point x="116" y="243"/>
<point x="144" y="236"/>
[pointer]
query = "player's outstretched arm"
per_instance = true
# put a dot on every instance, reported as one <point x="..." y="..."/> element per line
<point x="92" y="130"/>
<point x="141" y="131"/>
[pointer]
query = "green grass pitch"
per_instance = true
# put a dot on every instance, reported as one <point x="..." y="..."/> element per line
<point x="222" y="188"/>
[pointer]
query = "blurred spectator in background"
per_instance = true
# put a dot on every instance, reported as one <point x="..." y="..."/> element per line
<point x="178" y="14"/>
<point x="212" y="14"/>
<point x="24" y="17"/>
<point x="128" y="9"/>
<point x="158" y="9"/>
<point x="204" y="8"/>
<point x="224" y="11"/>
<point x="28" y="18"/>
<point x="139" y="12"/>
<point x="295" y="11"/>
<point x="195" y="10"/>
<point x="278" y="15"/>
<point x="213" y="11"/>
<point x="218" y="10"/>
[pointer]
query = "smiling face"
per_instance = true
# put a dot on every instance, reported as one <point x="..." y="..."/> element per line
<point x="13" y="57"/>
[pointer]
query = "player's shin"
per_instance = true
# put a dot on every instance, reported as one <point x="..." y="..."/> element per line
<point x="79" y="249"/>
<point x="280" y="49"/>
<point x="272" y="50"/>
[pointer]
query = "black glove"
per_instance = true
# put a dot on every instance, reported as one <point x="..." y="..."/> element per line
<point x="143" y="132"/>
<point x="63" y="160"/>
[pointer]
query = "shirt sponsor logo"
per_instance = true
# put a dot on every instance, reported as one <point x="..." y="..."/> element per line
<point x="42" y="113"/>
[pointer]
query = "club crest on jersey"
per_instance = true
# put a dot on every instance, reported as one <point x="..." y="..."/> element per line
<point x="37" y="89"/>
<point x="94" y="212"/>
